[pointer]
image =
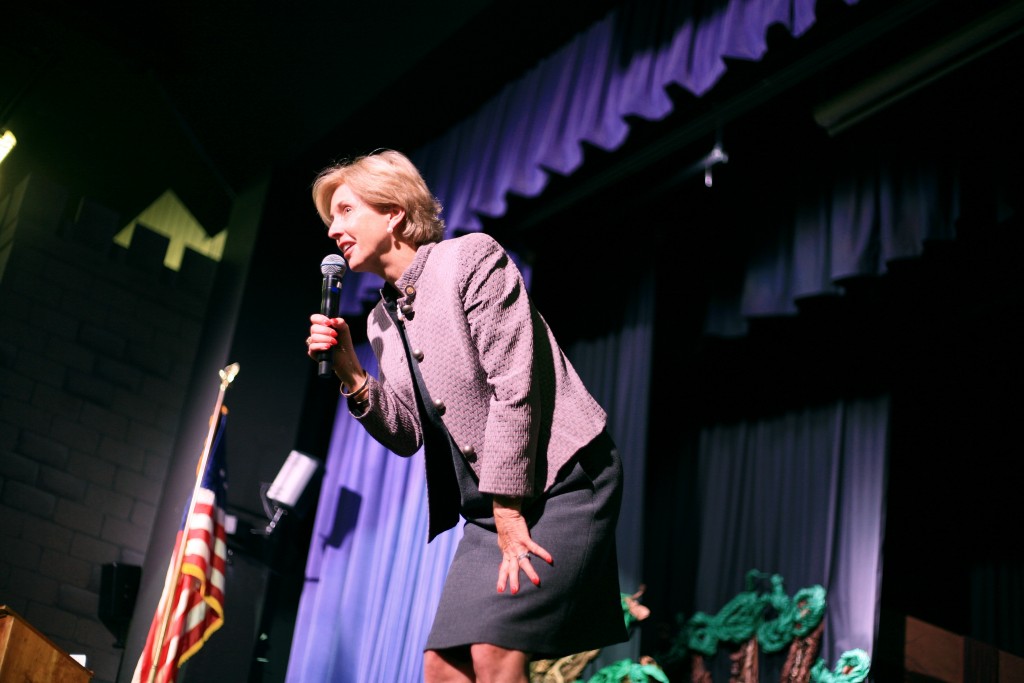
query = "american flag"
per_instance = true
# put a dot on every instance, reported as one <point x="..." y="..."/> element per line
<point x="194" y="587"/>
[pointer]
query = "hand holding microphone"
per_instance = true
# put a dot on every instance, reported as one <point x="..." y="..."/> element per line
<point x="333" y="268"/>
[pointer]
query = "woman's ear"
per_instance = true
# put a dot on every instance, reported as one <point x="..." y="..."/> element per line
<point x="396" y="218"/>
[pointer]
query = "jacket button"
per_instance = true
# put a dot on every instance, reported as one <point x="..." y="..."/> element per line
<point x="469" y="452"/>
<point x="406" y="310"/>
<point x="439" y="404"/>
<point x="417" y="354"/>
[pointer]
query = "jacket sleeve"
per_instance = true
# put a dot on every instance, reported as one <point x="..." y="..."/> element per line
<point x="501" y="323"/>
<point x="390" y="420"/>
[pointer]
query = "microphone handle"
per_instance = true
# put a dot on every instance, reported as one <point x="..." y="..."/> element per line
<point x="330" y="305"/>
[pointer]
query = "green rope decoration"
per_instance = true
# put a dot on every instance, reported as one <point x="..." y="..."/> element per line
<point x="776" y="618"/>
<point x="853" y="667"/>
<point x="796" y="618"/>
<point x="747" y="614"/>
<point x="636" y="673"/>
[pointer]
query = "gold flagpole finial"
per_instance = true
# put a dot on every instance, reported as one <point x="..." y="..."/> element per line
<point x="228" y="374"/>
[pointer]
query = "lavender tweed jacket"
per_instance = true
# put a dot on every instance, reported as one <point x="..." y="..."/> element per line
<point x="508" y="395"/>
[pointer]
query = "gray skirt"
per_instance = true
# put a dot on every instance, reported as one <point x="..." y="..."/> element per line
<point x="577" y="606"/>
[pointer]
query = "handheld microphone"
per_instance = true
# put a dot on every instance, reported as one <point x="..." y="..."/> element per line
<point x="333" y="268"/>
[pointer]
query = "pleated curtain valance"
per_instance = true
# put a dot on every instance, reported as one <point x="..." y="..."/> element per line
<point x="619" y="67"/>
<point x="850" y="219"/>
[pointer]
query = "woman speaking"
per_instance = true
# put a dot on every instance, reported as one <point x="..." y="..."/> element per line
<point x="514" y="443"/>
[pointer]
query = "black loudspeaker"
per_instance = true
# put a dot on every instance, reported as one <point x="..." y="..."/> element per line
<point x="119" y="586"/>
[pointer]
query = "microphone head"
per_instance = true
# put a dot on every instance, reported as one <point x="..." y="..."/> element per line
<point x="333" y="264"/>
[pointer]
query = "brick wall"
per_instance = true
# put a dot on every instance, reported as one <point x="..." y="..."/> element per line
<point x="97" y="346"/>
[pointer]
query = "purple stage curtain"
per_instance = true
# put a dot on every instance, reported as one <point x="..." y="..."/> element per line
<point x="617" y="370"/>
<point x="801" y="495"/>
<point x="372" y="582"/>
<point x="849" y="221"/>
<point x="582" y="93"/>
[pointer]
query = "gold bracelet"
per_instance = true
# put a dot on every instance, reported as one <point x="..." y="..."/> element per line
<point x="361" y="387"/>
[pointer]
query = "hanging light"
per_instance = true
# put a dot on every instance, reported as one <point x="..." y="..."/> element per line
<point x="7" y="143"/>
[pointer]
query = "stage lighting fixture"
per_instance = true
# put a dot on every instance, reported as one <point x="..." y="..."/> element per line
<point x="287" y="491"/>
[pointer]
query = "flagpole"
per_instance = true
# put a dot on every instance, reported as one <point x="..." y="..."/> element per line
<point x="227" y="375"/>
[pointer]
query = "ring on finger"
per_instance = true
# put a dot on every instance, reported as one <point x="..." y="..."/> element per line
<point x="520" y="556"/>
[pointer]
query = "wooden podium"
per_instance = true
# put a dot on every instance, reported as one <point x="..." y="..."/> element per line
<point x="27" y="656"/>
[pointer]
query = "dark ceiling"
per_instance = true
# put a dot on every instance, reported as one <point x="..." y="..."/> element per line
<point x="123" y="101"/>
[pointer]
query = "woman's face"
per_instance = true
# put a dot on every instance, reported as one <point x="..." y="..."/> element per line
<point x="359" y="230"/>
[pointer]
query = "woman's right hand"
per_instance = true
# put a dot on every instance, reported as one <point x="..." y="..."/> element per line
<point x="326" y="334"/>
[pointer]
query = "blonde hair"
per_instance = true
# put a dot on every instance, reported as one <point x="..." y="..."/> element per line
<point x="384" y="180"/>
